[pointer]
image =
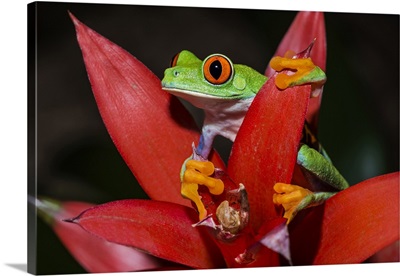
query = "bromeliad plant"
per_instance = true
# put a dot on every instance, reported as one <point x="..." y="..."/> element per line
<point x="160" y="234"/>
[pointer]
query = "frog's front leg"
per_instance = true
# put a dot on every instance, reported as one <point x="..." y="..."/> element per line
<point x="197" y="170"/>
<point x="195" y="173"/>
<point x="301" y="71"/>
<point x="206" y="141"/>
<point x="323" y="176"/>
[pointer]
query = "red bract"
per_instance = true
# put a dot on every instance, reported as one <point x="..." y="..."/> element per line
<point x="259" y="156"/>
<point x="351" y="226"/>
<point x="94" y="254"/>
<point x="164" y="229"/>
<point x="306" y="27"/>
<point x="129" y="95"/>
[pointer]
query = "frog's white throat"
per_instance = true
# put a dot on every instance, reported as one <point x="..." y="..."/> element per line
<point x="225" y="117"/>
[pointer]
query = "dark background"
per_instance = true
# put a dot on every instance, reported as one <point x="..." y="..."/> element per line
<point x="76" y="159"/>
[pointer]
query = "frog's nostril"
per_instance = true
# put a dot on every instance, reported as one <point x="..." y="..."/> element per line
<point x="176" y="73"/>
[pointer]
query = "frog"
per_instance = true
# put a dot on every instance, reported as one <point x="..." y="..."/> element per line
<point x="225" y="91"/>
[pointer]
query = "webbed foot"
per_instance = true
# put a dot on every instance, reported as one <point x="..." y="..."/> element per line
<point x="300" y="70"/>
<point x="199" y="173"/>
<point x="303" y="71"/>
<point x="294" y="198"/>
<point x="291" y="197"/>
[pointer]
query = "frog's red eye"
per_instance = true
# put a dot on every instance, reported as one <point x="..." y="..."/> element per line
<point x="174" y="60"/>
<point x="217" y="69"/>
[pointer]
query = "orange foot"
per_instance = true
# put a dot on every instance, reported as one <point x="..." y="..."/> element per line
<point x="293" y="198"/>
<point x="303" y="71"/>
<point x="198" y="173"/>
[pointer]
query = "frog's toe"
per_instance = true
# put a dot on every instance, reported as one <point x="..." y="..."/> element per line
<point x="199" y="173"/>
<point x="293" y="198"/>
<point x="303" y="71"/>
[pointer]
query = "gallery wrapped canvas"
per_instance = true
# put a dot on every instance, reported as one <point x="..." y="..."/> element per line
<point x="118" y="178"/>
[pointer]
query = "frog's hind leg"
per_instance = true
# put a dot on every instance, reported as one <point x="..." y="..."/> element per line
<point x="294" y="198"/>
<point x="319" y="170"/>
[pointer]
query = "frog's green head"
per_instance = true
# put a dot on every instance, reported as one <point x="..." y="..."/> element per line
<point x="214" y="78"/>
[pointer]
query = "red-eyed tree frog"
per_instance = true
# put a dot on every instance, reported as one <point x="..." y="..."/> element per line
<point x="225" y="92"/>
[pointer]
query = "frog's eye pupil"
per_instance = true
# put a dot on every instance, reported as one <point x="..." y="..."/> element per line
<point x="217" y="69"/>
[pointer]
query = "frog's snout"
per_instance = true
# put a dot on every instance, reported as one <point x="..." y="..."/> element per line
<point x="170" y="75"/>
<point x="165" y="78"/>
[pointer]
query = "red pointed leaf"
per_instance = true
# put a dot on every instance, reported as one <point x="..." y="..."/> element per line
<point x="266" y="146"/>
<point x="152" y="130"/>
<point x="306" y="27"/>
<point x="163" y="229"/>
<point x="351" y="226"/>
<point x="94" y="254"/>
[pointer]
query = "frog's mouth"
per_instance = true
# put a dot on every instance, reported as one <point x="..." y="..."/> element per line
<point x="213" y="104"/>
<point x="190" y="94"/>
